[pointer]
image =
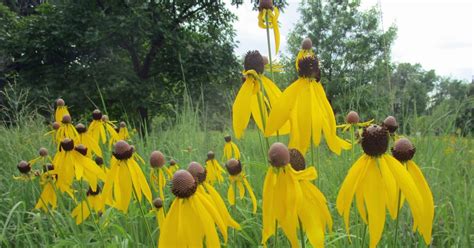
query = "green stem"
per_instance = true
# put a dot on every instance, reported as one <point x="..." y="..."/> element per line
<point x="365" y="231"/>
<point x="269" y="47"/>
<point x="275" y="241"/>
<point x="234" y="208"/>
<point x="303" y="243"/>
<point x="398" y="217"/>
<point x="144" y="220"/>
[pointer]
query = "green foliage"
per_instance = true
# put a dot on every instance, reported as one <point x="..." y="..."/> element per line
<point x="353" y="52"/>
<point x="140" y="55"/>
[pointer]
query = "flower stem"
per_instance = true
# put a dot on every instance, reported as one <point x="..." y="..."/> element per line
<point x="275" y="241"/>
<point x="144" y="220"/>
<point x="398" y="217"/>
<point x="269" y="47"/>
<point x="303" y="243"/>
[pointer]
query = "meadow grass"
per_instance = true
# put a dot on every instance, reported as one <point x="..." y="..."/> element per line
<point x="446" y="161"/>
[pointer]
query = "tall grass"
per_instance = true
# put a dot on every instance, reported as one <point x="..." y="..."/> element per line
<point x="446" y="162"/>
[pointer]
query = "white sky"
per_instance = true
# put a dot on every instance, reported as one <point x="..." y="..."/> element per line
<point x="438" y="34"/>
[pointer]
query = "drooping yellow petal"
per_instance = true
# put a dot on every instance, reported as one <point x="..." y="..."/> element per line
<point x="251" y="194"/>
<point x="268" y="215"/>
<point x="125" y="189"/>
<point x="231" y="195"/>
<point x="374" y="196"/>
<point x="276" y="31"/>
<point x="190" y="226"/>
<point x="280" y="112"/>
<point x="214" y="214"/>
<point x="220" y="205"/>
<point x="390" y="187"/>
<point x="145" y="188"/>
<point x="235" y="150"/>
<point x="304" y="112"/>
<point x="407" y="186"/>
<point x="428" y="202"/>
<point x="169" y="231"/>
<point x="355" y="175"/>
<point x="241" y="109"/>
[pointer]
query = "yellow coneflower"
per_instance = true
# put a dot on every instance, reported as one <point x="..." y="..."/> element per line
<point x="172" y="168"/>
<point x="289" y="197"/>
<point x="48" y="199"/>
<point x="352" y="120"/>
<point x="123" y="133"/>
<point x="306" y="50"/>
<point x="157" y="174"/>
<point x="191" y="218"/>
<point x="54" y="129"/>
<point x="375" y="180"/>
<point x="274" y="67"/>
<point x="313" y="213"/>
<point x="66" y="130"/>
<point x="304" y="103"/>
<point x="239" y="180"/>
<point x="214" y="169"/>
<point x="87" y="140"/>
<point x="72" y="162"/>
<point x="268" y="18"/>
<point x="25" y="171"/>
<point x="404" y="151"/>
<point x="251" y="101"/>
<point x="61" y="110"/>
<point x="206" y="189"/>
<point x="160" y="212"/>
<point x="230" y="149"/>
<point x="101" y="126"/>
<point x="124" y="178"/>
<point x="93" y="201"/>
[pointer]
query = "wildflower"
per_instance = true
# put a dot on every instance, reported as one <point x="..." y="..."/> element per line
<point x="191" y="217"/>
<point x="404" y="151"/>
<point x="375" y="180"/>
<point x="48" y="194"/>
<point x="123" y="133"/>
<point x="54" y="128"/>
<point x="66" y="130"/>
<point x="93" y="201"/>
<point x="238" y="179"/>
<point x="172" y="168"/>
<point x="124" y="176"/>
<point x="100" y="126"/>
<point x="72" y="162"/>
<point x="88" y="141"/>
<point x="157" y="175"/>
<point x="304" y="103"/>
<point x="250" y="100"/>
<point x="61" y="110"/>
<point x="214" y="169"/>
<point x="313" y="211"/>
<point x="268" y="18"/>
<point x="206" y="189"/>
<point x="275" y="66"/>
<point x="352" y="119"/>
<point x="282" y="195"/>
<point x="25" y="171"/>
<point x="230" y="149"/>
<point x="306" y="50"/>
<point x="160" y="212"/>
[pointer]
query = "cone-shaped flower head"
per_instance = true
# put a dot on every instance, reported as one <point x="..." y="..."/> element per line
<point x="102" y="128"/>
<point x="172" y="168"/>
<point x="160" y="213"/>
<point x="66" y="129"/>
<point x="61" y="110"/>
<point x="305" y="105"/>
<point x="375" y="180"/>
<point x="391" y="124"/>
<point x="306" y="50"/>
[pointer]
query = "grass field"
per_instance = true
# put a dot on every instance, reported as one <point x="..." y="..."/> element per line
<point x="446" y="161"/>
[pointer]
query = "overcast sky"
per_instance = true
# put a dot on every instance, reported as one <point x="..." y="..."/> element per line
<point x="438" y="34"/>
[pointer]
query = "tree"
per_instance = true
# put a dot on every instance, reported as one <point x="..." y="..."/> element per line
<point x="141" y="55"/>
<point x="354" y="53"/>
